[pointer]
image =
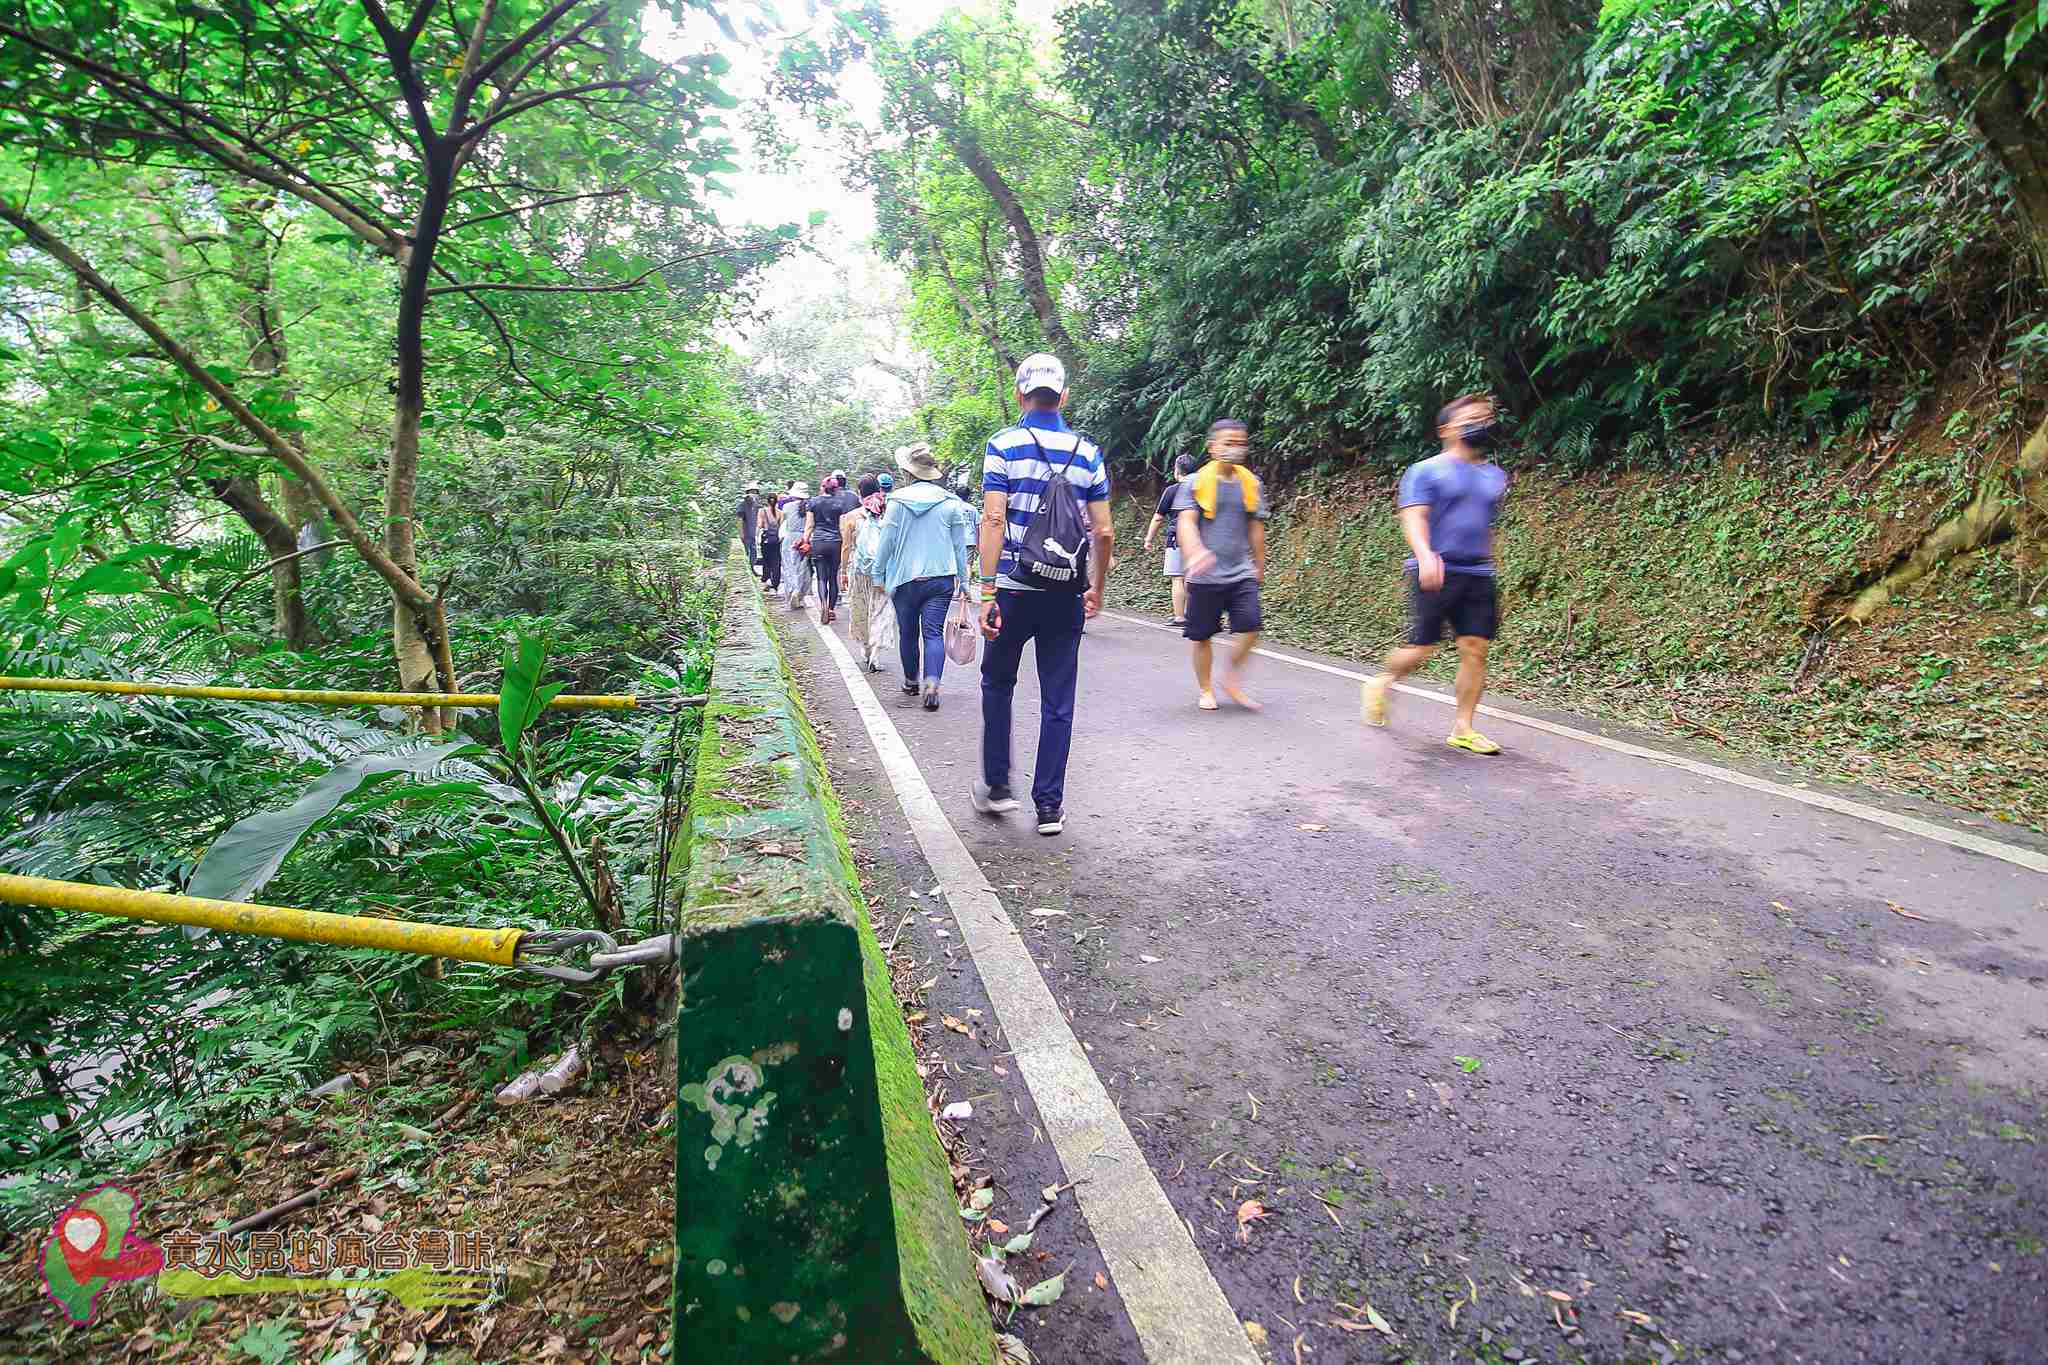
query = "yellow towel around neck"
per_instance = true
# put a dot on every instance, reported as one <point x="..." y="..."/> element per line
<point x="1205" y="480"/>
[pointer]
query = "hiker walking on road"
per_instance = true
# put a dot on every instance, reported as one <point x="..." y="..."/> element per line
<point x="767" y="528"/>
<point x="796" y="566"/>
<point x="1165" y="518"/>
<point x="921" y="558"/>
<point x="821" y="533"/>
<point x="750" y="518"/>
<point x="1045" y="544"/>
<point x="1222" y="511"/>
<point x="860" y="529"/>
<point x="1448" y="506"/>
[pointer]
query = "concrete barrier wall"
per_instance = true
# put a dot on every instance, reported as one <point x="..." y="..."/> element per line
<point x="815" y="1217"/>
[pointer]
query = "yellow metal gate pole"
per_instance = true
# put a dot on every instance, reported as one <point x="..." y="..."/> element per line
<point x="464" y="944"/>
<point x="315" y="697"/>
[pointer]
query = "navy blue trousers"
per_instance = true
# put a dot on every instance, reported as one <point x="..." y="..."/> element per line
<point x="921" y="621"/>
<point x="1054" y="620"/>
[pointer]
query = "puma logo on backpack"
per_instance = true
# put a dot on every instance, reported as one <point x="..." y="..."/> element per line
<point x="1043" y="559"/>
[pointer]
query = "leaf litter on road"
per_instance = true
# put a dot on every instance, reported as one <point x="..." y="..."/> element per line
<point x="1249" y="1212"/>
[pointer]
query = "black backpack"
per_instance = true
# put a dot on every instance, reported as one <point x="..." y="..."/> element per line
<point x="1054" y="552"/>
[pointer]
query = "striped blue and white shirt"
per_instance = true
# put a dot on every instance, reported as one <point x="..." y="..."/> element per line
<point x="1014" y="465"/>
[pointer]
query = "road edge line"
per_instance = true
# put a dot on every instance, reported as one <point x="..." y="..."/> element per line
<point x="1840" y="805"/>
<point x="1178" y="1309"/>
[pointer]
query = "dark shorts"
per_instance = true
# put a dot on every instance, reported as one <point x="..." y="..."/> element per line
<point x="1208" y="602"/>
<point x="1466" y="603"/>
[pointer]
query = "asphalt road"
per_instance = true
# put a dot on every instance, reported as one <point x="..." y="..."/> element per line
<point x="1481" y="1033"/>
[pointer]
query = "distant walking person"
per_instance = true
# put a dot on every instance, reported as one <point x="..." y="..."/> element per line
<point x="1165" y="518"/>
<point x="768" y="530"/>
<point x="821" y="531"/>
<point x="921" y="558"/>
<point x="750" y="515"/>
<point x="1222" y="511"/>
<point x="859" y="530"/>
<point x="1046" y="558"/>
<point x="1448" y="506"/>
<point x="796" y="568"/>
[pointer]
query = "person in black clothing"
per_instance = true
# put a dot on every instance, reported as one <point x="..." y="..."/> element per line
<point x="750" y="511"/>
<point x="821" y="529"/>
<point x="1165" y="518"/>
<point x="769" y="532"/>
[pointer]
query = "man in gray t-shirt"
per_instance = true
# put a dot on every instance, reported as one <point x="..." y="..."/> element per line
<point x="1221" y="510"/>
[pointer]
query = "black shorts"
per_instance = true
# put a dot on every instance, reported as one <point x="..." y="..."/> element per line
<point x="1466" y="603"/>
<point x="1208" y="601"/>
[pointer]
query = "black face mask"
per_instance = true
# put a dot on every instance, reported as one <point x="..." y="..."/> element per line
<point x="1482" y="435"/>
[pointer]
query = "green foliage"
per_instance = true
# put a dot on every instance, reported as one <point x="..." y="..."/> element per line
<point x="1328" y="220"/>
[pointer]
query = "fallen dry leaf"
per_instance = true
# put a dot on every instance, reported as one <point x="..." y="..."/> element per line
<point x="1255" y="1334"/>
<point x="1640" y="1319"/>
<point x="998" y="1226"/>
<point x="1312" y="829"/>
<point x="1454" y="1311"/>
<point x="1902" y="911"/>
<point x="1347" y="1325"/>
<point x="1147" y="957"/>
<point x="1870" y="1137"/>
<point x="1379" y="1324"/>
<point x="1101" y="1280"/>
<point x="954" y="1024"/>
<point x="1297" y="1290"/>
<point x="1247" y="1212"/>
<point x="1559" y="1295"/>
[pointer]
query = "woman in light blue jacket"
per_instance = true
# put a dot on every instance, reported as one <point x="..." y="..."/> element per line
<point x="921" y="559"/>
<point x="796" y="567"/>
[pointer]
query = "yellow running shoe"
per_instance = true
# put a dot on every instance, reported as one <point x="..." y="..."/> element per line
<point x="1372" y="694"/>
<point x="1474" y="742"/>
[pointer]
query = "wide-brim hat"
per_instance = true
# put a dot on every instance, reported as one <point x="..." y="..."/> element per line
<point x="917" y="461"/>
<point x="802" y="490"/>
<point x="753" y="488"/>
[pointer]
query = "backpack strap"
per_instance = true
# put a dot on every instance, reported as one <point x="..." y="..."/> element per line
<point x="1071" y="455"/>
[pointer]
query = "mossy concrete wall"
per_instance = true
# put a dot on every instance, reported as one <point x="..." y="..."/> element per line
<point x="815" y="1217"/>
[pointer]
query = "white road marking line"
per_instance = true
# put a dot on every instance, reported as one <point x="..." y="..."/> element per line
<point x="1178" y="1309"/>
<point x="1840" y="805"/>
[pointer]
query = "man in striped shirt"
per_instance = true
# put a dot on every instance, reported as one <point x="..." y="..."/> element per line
<point x="1020" y="463"/>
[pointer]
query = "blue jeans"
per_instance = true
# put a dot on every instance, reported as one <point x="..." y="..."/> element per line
<point x="921" y="619"/>
<point x="1054" y="620"/>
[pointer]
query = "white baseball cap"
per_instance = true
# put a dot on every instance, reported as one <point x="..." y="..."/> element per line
<point x="1041" y="371"/>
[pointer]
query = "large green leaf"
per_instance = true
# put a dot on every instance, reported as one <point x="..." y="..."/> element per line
<point x="242" y="860"/>
<point x="521" y="698"/>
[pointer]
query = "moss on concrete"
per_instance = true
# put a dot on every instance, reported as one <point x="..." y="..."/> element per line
<point x="815" y="1215"/>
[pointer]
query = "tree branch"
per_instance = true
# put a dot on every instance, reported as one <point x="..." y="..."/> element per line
<point x="537" y="204"/>
<point x="520" y="106"/>
<point x="463" y="89"/>
<point x="273" y="443"/>
<point x="146" y="99"/>
<point x="519" y="44"/>
<point x="621" y="287"/>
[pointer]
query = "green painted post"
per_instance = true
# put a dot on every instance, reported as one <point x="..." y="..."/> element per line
<point x="815" y="1217"/>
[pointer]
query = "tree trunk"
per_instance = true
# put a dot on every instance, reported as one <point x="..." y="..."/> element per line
<point x="418" y="666"/>
<point x="249" y="254"/>
<point x="1031" y="257"/>
<point x="1998" y="99"/>
<point x="246" y="500"/>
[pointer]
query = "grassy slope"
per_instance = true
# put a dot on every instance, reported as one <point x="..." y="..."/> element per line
<point x="1685" y="601"/>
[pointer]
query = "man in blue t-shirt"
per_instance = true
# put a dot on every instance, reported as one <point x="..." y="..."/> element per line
<point x="1448" y="505"/>
<point x="1018" y="467"/>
